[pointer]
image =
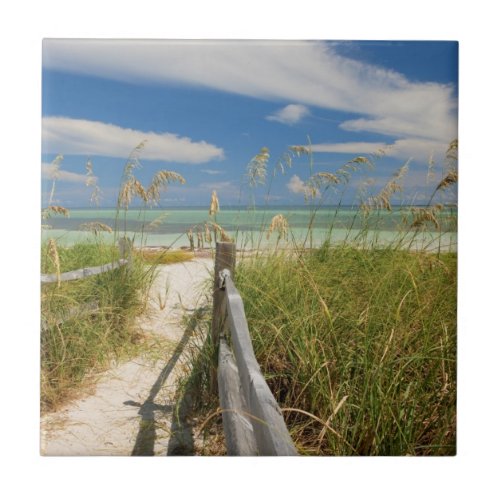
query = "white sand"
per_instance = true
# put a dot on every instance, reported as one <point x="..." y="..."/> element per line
<point x="129" y="411"/>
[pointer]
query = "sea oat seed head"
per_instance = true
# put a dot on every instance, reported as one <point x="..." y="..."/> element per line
<point x="214" y="204"/>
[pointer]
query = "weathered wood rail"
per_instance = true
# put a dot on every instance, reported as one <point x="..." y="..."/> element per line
<point x="252" y="420"/>
<point x="82" y="273"/>
<point x="125" y="246"/>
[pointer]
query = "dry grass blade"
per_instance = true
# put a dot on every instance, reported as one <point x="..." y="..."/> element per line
<point x="323" y="423"/>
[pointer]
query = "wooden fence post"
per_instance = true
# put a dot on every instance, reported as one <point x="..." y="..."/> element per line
<point x="225" y="255"/>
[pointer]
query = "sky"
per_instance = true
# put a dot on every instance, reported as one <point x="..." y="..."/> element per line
<point x="205" y="109"/>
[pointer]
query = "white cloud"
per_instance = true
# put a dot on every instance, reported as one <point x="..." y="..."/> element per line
<point x="48" y="172"/>
<point x="309" y="73"/>
<point x="211" y="172"/>
<point x="348" y="147"/>
<point x="297" y="186"/>
<point x="404" y="149"/>
<point x="290" y="114"/>
<point x="73" y="136"/>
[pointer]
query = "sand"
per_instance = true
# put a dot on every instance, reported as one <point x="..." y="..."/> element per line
<point x="129" y="410"/>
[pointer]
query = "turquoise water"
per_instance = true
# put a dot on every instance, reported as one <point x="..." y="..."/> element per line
<point x="249" y="227"/>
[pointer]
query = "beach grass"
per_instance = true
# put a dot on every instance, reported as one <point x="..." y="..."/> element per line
<point x="358" y="345"/>
<point x="356" y="336"/>
<point x="88" y="322"/>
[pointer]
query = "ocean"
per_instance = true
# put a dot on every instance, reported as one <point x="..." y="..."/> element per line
<point x="168" y="227"/>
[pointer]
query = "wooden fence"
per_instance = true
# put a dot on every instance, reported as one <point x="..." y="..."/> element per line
<point x="253" y="422"/>
<point x="125" y="246"/>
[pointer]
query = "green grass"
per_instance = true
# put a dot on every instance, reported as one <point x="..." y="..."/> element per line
<point x="98" y="315"/>
<point x="357" y="338"/>
<point x="362" y="339"/>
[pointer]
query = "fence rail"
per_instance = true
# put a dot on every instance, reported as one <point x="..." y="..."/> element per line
<point x="82" y="273"/>
<point x="253" y="422"/>
<point x="125" y="247"/>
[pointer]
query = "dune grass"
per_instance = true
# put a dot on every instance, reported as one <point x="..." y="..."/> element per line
<point x="357" y="337"/>
<point x="364" y="340"/>
<point x="87" y="322"/>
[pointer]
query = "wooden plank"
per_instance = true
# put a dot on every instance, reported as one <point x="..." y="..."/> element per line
<point x="238" y="429"/>
<point x="225" y="253"/>
<point x="271" y="433"/>
<point x="82" y="273"/>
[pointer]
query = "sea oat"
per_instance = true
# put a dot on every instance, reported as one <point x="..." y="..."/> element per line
<point x="450" y="179"/>
<point x="132" y="187"/>
<point x="278" y="224"/>
<point x="91" y="179"/>
<point x="420" y="216"/>
<point x="257" y="168"/>
<point x="219" y="231"/>
<point x="383" y="199"/>
<point x="133" y="159"/>
<point x="214" y="204"/>
<point x="56" y="209"/>
<point x="160" y="181"/>
<point x="54" y="174"/>
<point x="54" y="258"/>
<point x="95" y="227"/>
<point x="157" y="222"/>
<point x="452" y="153"/>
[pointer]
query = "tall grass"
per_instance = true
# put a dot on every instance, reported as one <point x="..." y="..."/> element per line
<point x="88" y="322"/>
<point x="364" y="340"/>
<point x="357" y="336"/>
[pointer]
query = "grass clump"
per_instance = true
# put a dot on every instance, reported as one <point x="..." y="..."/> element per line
<point x="87" y="322"/>
<point x="362" y="340"/>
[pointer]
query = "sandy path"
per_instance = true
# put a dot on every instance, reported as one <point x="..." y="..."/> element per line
<point x="129" y="410"/>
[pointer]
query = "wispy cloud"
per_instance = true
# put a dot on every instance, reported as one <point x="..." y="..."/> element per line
<point x="415" y="148"/>
<point x="48" y="172"/>
<point x="308" y="73"/>
<point x="289" y="115"/>
<point x="72" y="136"/>
<point x="212" y="172"/>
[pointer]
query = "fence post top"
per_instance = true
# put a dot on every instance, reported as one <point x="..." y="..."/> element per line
<point x="225" y="273"/>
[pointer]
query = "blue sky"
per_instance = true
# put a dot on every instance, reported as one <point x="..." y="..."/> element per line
<point x="205" y="109"/>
